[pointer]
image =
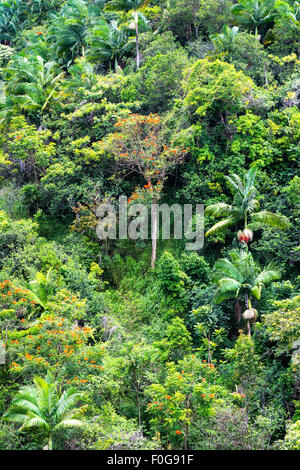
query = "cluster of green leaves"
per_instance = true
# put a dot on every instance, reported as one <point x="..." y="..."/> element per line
<point x="199" y="100"/>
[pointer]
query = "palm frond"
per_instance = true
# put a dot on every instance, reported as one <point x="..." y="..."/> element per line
<point x="221" y="226"/>
<point x="267" y="276"/>
<point x="229" y="285"/>
<point x="68" y="423"/>
<point x="271" y="219"/>
<point x="219" y="210"/>
<point x="224" y="267"/>
<point x="235" y="184"/>
<point x="221" y="296"/>
<point x="256" y="291"/>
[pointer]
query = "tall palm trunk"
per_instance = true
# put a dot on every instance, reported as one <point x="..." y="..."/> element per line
<point x="116" y="64"/>
<point x="50" y="447"/>
<point x="248" y="306"/>
<point x="154" y="224"/>
<point x="136" y="21"/>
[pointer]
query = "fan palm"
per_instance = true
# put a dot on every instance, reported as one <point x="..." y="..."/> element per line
<point x="109" y="44"/>
<point x="254" y="14"/>
<point x="239" y="278"/>
<point x="246" y="204"/>
<point x="224" y="40"/>
<point x="41" y="407"/>
<point x="126" y="6"/>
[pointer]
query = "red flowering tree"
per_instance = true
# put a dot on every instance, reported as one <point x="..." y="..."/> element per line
<point x="140" y="145"/>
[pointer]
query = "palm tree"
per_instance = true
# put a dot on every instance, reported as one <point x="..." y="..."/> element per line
<point x="68" y="31"/>
<point x="109" y="44"/>
<point x="41" y="407"/>
<point x="126" y="6"/>
<point x="288" y="12"/>
<point x="246" y="205"/>
<point x="31" y="83"/>
<point x="10" y="20"/>
<point x="239" y="278"/>
<point x="224" y="40"/>
<point x="254" y="14"/>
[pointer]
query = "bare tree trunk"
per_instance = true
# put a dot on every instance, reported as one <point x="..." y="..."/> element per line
<point x="137" y="393"/>
<point x="136" y="19"/>
<point x="153" y="232"/>
<point x="248" y="305"/>
<point x="186" y="430"/>
<point x="249" y="328"/>
<point x="209" y="358"/>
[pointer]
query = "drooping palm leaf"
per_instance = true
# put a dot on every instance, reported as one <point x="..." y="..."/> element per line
<point x="270" y="219"/>
<point x="221" y="226"/>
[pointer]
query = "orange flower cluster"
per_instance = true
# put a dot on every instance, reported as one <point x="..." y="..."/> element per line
<point x="210" y="395"/>
<point x="12" y="294"/>
<point x="28" y="356"/>
<point x="52" y="344"/>
<point x="76" y="380"/>
<point x="242" y="395"/>
<point x="133" y="197"/>
<point x="14" y="364"/>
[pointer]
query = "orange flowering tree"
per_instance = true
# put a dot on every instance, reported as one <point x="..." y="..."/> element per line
<point x="52" y="342"/>
<point x="50" y="345"/>
<point x="188" y="392"/>
<point x="140" y="145"/>
<point x="15" y="306"/>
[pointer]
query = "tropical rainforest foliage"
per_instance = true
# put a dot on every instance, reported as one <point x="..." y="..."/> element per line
<point x="141" y="344"/>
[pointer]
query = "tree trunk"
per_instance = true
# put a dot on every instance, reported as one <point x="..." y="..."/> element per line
<point x="186" y="430"/>
<point x="50" y="442"/>
<point x="153" y="232"/>
<point x="137" y="392"/>
<point x="136" y="20"/>
<point x="248" y="306"/>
